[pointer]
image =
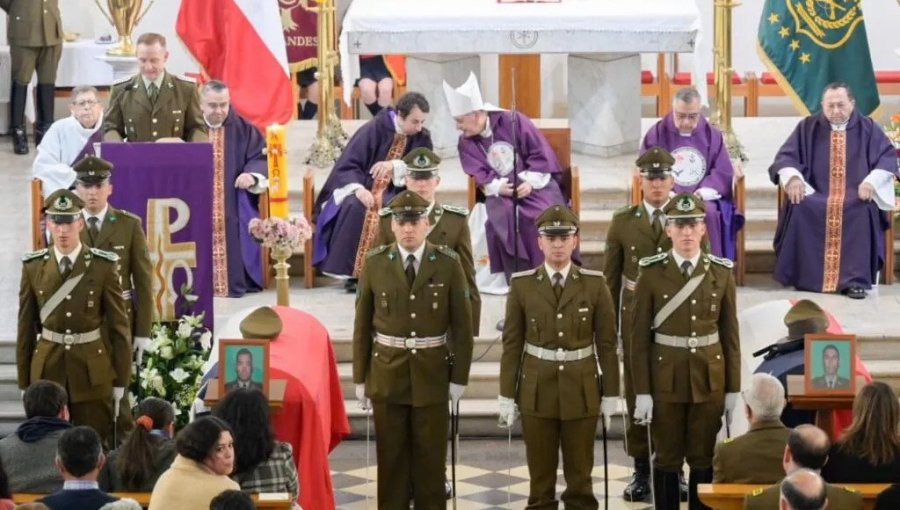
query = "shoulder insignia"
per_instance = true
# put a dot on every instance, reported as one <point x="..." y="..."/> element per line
<point x="123" y="212"/>
<point x="623" y="210"/>
<point x="462" y="211"/>
<point x="122" y="80"/>
<point x="590" y="272"/>
<point x="646" y="261"/>
<point x="376" y="250"/>
<point x="524" y="273"/>
<point x="757" y="491"/>
<point x="189" y="79"/>
<point x="384" y="211"/>
<point x="443" y="248"/>
<point x="33" y="255"/>
<point x="721" y="261"/>
<point x="103" y="254"/>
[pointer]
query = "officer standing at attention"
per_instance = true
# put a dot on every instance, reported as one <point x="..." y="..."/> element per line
<point x="73" y="328"/>
<point x="559" y="321"/>
<point x="637" y="231"/>
<point x="685" y="352"/>
<point x="154" y="105"/>
<point x="406" y="357"/>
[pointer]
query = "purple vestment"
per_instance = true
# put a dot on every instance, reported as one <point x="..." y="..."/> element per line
<point x="800" y="239"/>
<point x="338" y="227"/>
<point x="533" y="154"/>
<point x="702" y="161"/>
<point x="244" y="146"/>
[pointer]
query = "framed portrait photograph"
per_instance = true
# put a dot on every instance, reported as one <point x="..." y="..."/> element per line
<point x="243" y="364"/>
<point x="829" y="364"/>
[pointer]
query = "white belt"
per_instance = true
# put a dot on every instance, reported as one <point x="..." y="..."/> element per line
<point x="687" y="342"/>
<point x="628" y="284"/>
<point x="423" y="342"/>
<point x="559" y="354"/>
<point x="70" y="338"/>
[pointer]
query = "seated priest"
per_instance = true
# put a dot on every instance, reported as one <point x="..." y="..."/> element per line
<point x="368" y="174"/>
<point x="68" y="140"/>
<point x="514" y="166"/>
<point x="702" y="166"/>
<point x="837" y="169"/>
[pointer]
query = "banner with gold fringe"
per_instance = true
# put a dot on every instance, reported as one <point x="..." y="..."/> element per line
<point x="300" y="24"/>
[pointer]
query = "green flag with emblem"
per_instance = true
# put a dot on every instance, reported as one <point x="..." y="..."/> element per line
<point x="807" y="44"/>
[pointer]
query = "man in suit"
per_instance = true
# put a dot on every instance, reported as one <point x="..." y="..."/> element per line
<point x="80" y="459"/>
<point x="831" y="364"/>
<point x="755" y="457"/>
<point x="154" y="105"/>
<point x="637" y="231"/>
<point x="406" y="356"/>
<point x="243" y="368"/>
<point x="560" y="323"/>
<point x="685" y="352"/>
<point x="34" y="32"/>
<point x="447" y="224"/>
<point x="807" y="449"/>
<point x="73" y="325"/>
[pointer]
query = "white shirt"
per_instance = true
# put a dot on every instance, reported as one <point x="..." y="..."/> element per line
<point x="680" y="260"/>
<point x="73" y="255"/>
<point x="61" y="145"/>
<point x="158" y="81"/>
<point x="552" y="272"/>
<point x="649" y="208"/>
<point x="417" y="254"/>
<point x="100" y="215"/>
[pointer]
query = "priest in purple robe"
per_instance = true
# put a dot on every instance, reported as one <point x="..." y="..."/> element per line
<point x="506" y="154"/>
<point x="240" y="175"/>
<point x="702" y="166"/>
<point x="375" y="152"/>
<point x="837" y="169"/>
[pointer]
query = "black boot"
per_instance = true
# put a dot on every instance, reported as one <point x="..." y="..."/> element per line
<point x="698" y="476"/>
<point x="309" y="110"/>
<point x="374" y="108"/>
<point x="43" y="111"/>
<point x="665" y="490"/>
<point x="17" y="95"/>
<point x="638" y="489"/>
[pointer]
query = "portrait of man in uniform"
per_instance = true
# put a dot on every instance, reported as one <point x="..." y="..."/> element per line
<point x="245" y="364"/>
<point x="827" y="367"/>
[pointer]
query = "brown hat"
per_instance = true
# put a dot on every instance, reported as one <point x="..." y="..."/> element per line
<point x="656" y="162"/>
<point x="92" y="170"/>
<point x="408" y="205"/>
<point x="63" y="206"/>
<point x="684" y="206"/>
<point x="557" y="220"/>
<point x="261" y="323"/>
<point x="803" y="318"/>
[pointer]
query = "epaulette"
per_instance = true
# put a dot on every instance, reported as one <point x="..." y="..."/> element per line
<point x="384" y="211"/>
<point x="376" y="250"/>
<point x="129" y="214"/>
<point x="103" y="254"/>
<point x="653" y="259"/>
<point x="524" y="273"/>
<point x="590" y="272"/>
<point x="32" y="255"/>
<point x="462" y="211"/>
<point x="189" y="79"/>
<point x="757" y="491"/>
<point x="721" y="261"/>
<point x="623" y="210"/>
<point x="122" y="80"/>
<point x="447" y="251"/>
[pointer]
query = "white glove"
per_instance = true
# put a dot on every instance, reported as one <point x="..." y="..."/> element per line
<point x="608" y="407"/>
<point x="140" y="344"/>
<point x="118" y="393"/>
<point x="509" y="411"/>
<point x="643" y="409"/>
<point x="456" y="393"/>
<point x="731" y="400"/>
<point x="364" y="403"/>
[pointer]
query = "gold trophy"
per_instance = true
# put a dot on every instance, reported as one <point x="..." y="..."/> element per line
<point x="124" y="15"/>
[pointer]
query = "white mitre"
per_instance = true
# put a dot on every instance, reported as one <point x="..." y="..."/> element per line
<point x="466" y="98"/>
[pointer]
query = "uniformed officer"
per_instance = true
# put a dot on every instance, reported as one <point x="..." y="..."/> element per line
<point x="685" y="352"/>
<point x="559" y="321"/>
<point x="637" y="231"/>
<point x="73" y="327"/>
<point x="34" y="32"/>
<point x="406" y="356"/>
<point x="154" y="105"/>
<point x="447" y="224"/>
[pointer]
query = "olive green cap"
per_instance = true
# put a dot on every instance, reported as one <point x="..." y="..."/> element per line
<point x="656" y="162"/>
<point x="92" y="170"/>
<point x="557" y="220"/>
<point x="805" y="317"/>
<point x="261" y="323"/>
<point x="421" y="163"/>
<point x="63" y="206"/>
<point x="408" y="205"/>
<point x="684" y="206"/>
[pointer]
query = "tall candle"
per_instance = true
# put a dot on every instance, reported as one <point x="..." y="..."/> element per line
<point x="278" y="171"/>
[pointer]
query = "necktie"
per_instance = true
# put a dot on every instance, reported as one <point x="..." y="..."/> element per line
<point x="92" y="227"/>
<point x="152" y="91"/>
<point x="656" y="223"/>
<point x="686" y="269"/>
<point x="557" y="284"/>
<point x="410" y="269"/>
<point x="65" y="266"/>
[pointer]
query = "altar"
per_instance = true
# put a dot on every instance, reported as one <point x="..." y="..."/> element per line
<point x="603" y="41"/>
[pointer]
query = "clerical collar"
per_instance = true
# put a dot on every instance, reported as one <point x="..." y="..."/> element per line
<point x="158" y="81"/>
<point x="487" y="132"/>
<point x="680" y="260"/>
<point x="73" y="255"/>
<point x="685" y="135"/>
<point x="840" y="127"/>
<point x="81" y="485"/>
<point x="417" y="253"/>
<point x="210" y="126"/>
<point x="564" y="271"/>
<point x="396" y="120"/>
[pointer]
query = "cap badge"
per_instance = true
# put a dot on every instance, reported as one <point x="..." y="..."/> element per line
<point x="63" y="204"/>
<point x="421" y="161"/>
<point x="656" y="164"/>
<point x="686" y="204"/>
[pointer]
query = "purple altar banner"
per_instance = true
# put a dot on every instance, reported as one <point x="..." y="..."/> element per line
<point x="169" y="185"/>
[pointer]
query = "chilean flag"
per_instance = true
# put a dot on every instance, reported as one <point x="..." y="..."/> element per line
<point x="241" y="43"/>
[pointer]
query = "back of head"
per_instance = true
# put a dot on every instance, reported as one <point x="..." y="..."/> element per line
<point x="79" y="451"/>
<point x="44" y="398"/>
<point x="138" y="452"/>
<point x="765" y="397"/>
<point x="122" y="504"/>
<point x="803" y="489"/>
<point x="809" y="446"/>
<point x="247" y="411"/>
<point x="232" y="500"/>
<point x="873" y="434"/>
<point x="410" y="100"/>
<point x="199" y="437"/>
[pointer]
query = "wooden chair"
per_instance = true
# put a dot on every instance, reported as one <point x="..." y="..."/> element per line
<point x="739" y="193"/>
<point x="730" y="496"/>
<point x="270" y="502"/>
<point x="265" y="260"/>
<point x="38" y="240"/>
<point x="309" y="202"/>
<point x="657" y="86"/>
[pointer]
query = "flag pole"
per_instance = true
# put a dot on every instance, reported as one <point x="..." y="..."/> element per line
<point x="330" y="136"/>
<point x="723" y="72"/>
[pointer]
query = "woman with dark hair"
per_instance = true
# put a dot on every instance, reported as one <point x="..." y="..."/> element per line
<point x="869" y="452"/>
<point x="6" y="502"/>
<point x="200" y="470"/>
<point x="261" y="463"/>
<point x="146" y="453"/>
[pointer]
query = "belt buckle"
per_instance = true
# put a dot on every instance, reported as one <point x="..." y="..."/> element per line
<point x="693" y="342"/>
<point x="560" y="355"/>
<point x="69" y="339"/>
<point x="409" y="343"/>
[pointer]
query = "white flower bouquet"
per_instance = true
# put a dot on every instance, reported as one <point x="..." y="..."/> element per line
<point x="280" y="232"/>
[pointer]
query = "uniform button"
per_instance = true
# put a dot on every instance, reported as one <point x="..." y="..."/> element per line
<point x="693" y="333"/>
<point x="45" y="11"/>
<point x="376" y="355"/>
<point x="68" y="314"/>
<point x="99" y="351"/>
<point x="412" y="297"/>
<point x="91" y="292"/>
<point x="68" y="297"/>
<point x="154" y="121"/>
<point x="413" y="351"/>
<point x="154" y="133"/>
<point x="718" y="356"/>
<point x="693" y="317"/>
<point x="68" y="347"/>
<point x="693" y="350"/>
<point x="658" y="249"/>
<point x="559" y="316"/>
<point x="129" y="120"/>
<point x="561" y="368"/>
<point x="412" y="333"/>
<point x="693" y="301"/>
<point x="665" y="296"/>
<point x="412" y="315"/>
<point x="660" y="358"/>
<point x="560" y="334"/>
<point x="68" y="331"/>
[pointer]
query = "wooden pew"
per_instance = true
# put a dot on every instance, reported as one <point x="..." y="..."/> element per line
<point x="143" y="498"/>
<point x="730" y="496"/>
<point x="38" y="241"/>
<point x="309" y="202"/>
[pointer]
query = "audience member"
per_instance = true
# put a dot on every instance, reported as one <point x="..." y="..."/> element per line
<point x="6" y="502"/>
<point x="262" y="464"/>
<point x="79" y="458"/>
<point x="200" y="470"/>
<point x="756" y="456"/>
<point x="889" y="499"/>
<point x="803" y="489"/>
<point x="232" y="500"/>
<point x="869" y="451"/>
<point x="146" y="453"/>
<point x="32" y="448"/>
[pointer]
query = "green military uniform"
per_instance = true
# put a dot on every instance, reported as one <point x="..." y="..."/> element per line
<point x="132" y="115"/>
<point x="687" y="360"/>
<point x="73" y="329"/>
<point x="549" y="366"/>
<point x="838" y="498"/>
<point x="406" y="353"/>
<point x="449" y="226"/>
<point x="754" y="457"/>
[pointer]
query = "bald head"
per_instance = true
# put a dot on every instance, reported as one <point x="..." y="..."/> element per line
<point x="764" y="398"/>
<point x="803" y="489"/>
<point x="807" y="448"/>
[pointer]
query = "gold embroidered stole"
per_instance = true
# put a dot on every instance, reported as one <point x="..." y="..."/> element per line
<point x="834" y="211"/>
<point x="219" y="251"/>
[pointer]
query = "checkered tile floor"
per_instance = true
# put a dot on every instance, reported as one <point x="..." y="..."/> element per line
<point x="481" y="474"/>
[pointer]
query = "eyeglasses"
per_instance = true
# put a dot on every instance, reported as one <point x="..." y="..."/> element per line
<point x="687" y="116"/>
<point x="86" y="102"/>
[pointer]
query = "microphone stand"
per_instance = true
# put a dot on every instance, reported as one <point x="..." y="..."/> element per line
<point x="515" y="173"/>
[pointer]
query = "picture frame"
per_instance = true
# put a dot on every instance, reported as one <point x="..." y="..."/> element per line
<point x="829" y="364"/>
<point x="234" y="356"/>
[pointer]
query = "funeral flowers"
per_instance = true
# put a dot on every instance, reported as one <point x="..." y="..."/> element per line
<point x="280" y="232"/>
<point x="892" y="130"/>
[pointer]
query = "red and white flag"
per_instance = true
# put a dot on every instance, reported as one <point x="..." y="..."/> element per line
<point x="241" y="43"/>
